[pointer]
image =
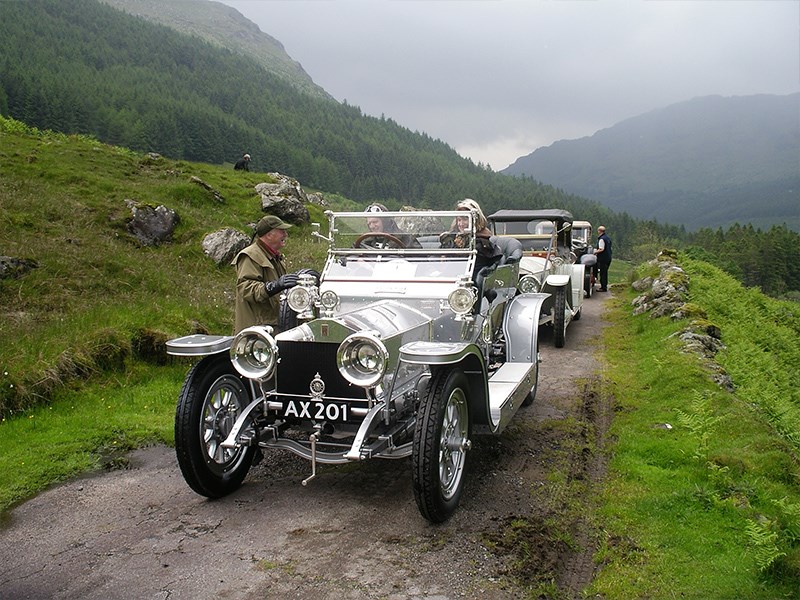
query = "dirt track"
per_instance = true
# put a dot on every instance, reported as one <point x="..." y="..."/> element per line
<point x="354" y="532"/>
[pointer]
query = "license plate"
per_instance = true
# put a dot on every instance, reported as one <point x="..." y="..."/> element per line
<point x="316" y="411"/>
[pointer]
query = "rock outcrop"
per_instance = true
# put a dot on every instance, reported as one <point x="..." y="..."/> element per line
<point x="665" y="295"/>
<point x="285" y="198"/>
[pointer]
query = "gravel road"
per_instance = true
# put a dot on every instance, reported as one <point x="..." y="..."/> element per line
<point x="354" y="532"/>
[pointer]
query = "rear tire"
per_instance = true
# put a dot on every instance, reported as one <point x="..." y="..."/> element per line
<point x="441" y="442"/>
<point x="212" y="397"/>
<point x="560" y="317"/>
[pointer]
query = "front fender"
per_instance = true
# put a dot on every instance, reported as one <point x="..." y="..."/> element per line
<point x="469" y="358"/>
<point x="557" y="280"/>
<point x="199" y="345"/>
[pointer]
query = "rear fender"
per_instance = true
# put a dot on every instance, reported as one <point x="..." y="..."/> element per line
<point x="521" y="327"/>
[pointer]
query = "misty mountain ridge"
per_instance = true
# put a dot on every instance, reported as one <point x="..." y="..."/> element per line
<point x="708" y="162"/>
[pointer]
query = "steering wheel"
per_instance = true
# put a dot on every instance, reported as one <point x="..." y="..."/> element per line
<point x="378" y="240"/>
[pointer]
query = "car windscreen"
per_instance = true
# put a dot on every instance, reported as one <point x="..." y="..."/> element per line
<point x="533" y="227"/>
<point x="393" y="268"/>
<point x="401" y="246"/>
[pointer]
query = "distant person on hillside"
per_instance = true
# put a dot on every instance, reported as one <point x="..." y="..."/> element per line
<point x="243" y="164"/>
<point x="603" y="254"/>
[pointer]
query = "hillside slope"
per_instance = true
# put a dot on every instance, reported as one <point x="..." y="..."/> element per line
<point x="708" y="162"/>
<point x="224" y="26"/>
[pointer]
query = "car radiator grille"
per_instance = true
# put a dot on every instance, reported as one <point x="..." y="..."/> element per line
<point x="301" y="361"/>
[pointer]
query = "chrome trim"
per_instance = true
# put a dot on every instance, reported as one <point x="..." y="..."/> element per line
<point x="231" y="441"/>
<point x="367" y="425"/>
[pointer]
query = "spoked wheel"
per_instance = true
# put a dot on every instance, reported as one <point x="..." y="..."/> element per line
<point x="378" y="240"/>
<point x="560" y="317"/>
<point x="212" y="397"/>
<point x="441" y="442"/>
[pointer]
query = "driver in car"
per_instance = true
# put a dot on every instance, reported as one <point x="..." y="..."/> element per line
<point x="378" y="225"/>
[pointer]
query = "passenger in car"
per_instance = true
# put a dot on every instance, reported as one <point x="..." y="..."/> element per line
<point x="458" y="237"/>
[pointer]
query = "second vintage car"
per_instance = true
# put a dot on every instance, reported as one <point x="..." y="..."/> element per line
<point x="548" y="264"/>
<point x="404" y="348"/>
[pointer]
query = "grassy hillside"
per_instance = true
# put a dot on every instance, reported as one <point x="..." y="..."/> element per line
<point x="97" y="294"/>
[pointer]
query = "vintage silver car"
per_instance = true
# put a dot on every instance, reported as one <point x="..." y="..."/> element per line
<point x="548" y="264"/>
<point x="405" y="347"/>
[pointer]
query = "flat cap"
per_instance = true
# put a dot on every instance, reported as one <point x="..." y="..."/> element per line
<point x="269" y="223"/>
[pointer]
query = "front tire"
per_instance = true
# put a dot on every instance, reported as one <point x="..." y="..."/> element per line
<point x="287" y="318"/>
<point x="211" y="399"/>
<point x="441" y="441"/>
<point x="560" y="317"/>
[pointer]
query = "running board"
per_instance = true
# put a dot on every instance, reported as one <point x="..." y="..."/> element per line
<point x="508" y="388"/>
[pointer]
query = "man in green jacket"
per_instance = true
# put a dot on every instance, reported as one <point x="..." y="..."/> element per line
<point x="261" y="275"/>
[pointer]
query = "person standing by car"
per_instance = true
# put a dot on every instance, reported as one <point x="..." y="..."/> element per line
<point x="243" y="164"/>
<point x="261" y="275"/>
<point x="603" y="253"/>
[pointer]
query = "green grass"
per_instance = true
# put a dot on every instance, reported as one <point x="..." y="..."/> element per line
<point x="710" y="507"/>
<point x="87" y="428"/>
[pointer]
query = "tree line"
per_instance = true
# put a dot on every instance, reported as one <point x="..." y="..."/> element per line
<point x="769" y="260"/>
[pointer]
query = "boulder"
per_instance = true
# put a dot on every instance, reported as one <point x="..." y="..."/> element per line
<point x="223" y="245"/>
<point x="288" y="209"/>
<point x="285" y="198"/>
<point x="317" y="199"/>
<point x="151" y="225"/>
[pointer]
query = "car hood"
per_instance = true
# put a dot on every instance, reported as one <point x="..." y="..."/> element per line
<point x="386" y="318"/>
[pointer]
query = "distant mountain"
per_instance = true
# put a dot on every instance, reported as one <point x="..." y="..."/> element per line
<point x="708" y="162"/>
<point x="225" y="27"/>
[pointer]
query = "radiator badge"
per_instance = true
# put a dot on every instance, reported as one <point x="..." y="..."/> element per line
<point x="317" y="386"/>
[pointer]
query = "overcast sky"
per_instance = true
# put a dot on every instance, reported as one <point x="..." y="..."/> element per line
<point x="496" y="79"/>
